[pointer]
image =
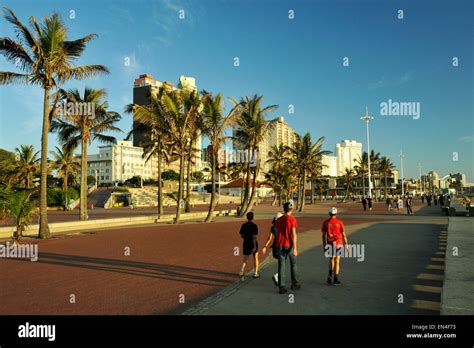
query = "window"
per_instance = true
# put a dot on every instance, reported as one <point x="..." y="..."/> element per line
<point x="102" y="178"/>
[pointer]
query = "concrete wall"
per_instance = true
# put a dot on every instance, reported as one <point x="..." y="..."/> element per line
<point x="458" y="287"/>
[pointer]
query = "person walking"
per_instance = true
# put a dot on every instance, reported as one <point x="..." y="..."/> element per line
<point x="408" y="203"/>
<point x="334" y="236"/>
<point x="286" y="247"/>
<point x="249" y="233"/>
<point x="388" y="201"/>
<point x="369" y="202"/>
<point x="441" y="200"/>
<point x="435" y="199"/>
<point x="423" y="198"/>
<point x="364" y="203"/>
<point x="272" y="237"/>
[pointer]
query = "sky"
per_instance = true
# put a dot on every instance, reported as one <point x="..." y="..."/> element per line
<point x="330" y="61"/>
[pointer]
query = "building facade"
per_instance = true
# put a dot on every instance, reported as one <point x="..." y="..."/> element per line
<point x="348" y="153"/>
<point x="119" y="162"/>
<point x="144" y="87"/>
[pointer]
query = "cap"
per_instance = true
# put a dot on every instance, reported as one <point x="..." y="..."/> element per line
<point x="333" y="210"/>
<point x="287" y="206"/>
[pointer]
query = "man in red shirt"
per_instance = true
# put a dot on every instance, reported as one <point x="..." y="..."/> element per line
<point x="333" y="237"/>
<point x="287" y="248"/>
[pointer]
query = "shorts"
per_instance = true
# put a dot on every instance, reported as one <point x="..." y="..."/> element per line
<point x="249" y="249"/>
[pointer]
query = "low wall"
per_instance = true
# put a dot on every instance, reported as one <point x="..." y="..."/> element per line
<point x="458" y="287"/>
<point x="71" y="226"/>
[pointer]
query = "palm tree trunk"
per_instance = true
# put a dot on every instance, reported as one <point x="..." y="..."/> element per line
<point x="254" y="190"/>
<point x="188" y="178"/>
<point x="83" y="205"/>
<point x="180" y="188"/>
<point x="303" y="193"/>
<point x="243" y="208"/>
<point x="213" y="189"/>
<point x="385" y="179"/>
<point x="160" y="190"/>
<point x="43" y="222"/>
<point x="65" y="190"/>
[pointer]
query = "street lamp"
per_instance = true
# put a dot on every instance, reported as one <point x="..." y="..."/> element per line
<point x="367" y="118"/>
<point x="401" y="165"/>
<point x="421" y="182"/>
<point x="96" y="178"/>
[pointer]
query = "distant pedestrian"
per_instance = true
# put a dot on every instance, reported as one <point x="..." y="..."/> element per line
<point x="428" y="199"/>
<point x="369" y="202"/>
<point x="271" y="239"/>
<point x="334" y="236"/>
<point x="364" y="203"/>
<point x="408" y="203"/>
<point x="286" y="247"/>
<point x="423" y="198"/>
<point x="388" y="202"/>
<point x="249" y="233"/>
<point x="441" y="200"/>
<point x="435" y="199"/>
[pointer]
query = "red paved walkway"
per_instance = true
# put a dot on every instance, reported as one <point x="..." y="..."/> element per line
<point x="196" y="260"/>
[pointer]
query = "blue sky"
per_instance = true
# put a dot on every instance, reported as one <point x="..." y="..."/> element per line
<point x="298" y="62"/>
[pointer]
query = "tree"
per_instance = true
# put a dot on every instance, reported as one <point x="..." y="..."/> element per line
<point x="386" y="167"/>
<point x="7" y="166"/>
<point x="45" y="57"/>
<point x="278" y="159"/>
<point x="65" y="164"/>
<point x="170" y="175"/>
<point x="182" y="111"/>
<point x="347" y="178"/>
<point x="21" y="206"/>
<point x="251" y="128"/>
<point x="26" y="166"/>
<point x="76" y="128"/>
<point x="361" y="168"/>
<point x="305" y="157"/>
<point x="150" y="120"/>
<point x="213" y="123"/>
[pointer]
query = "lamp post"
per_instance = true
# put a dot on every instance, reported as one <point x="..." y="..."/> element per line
<point x="401" y="165"/>
<point x="419" y="171"/>
<point x="367" y="118"/>
<point x="96" y="178"/>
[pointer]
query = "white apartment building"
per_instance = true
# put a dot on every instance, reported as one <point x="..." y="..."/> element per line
<point x="347" y="153"/>
<point x="329" y="165"/>
<point x="281" y="133"/>
<point x="119" y="162"/>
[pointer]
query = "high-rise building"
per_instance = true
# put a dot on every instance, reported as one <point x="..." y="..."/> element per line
<point x="280" y="133"/>
<point x="347" y="152"/>
<point x="144" y="87"/>
<point x="329" y="165"/>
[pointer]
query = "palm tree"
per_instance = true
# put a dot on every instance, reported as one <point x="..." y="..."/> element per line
<point x="21" y="206"/>
<point x="27" y="165"/>
<point x="362" y="168"/>
<point x="277" y="158"/>
<point x="374" y="166"/>
<point x="150" y="119"/>
<point x="250" y="131"/>
<point x="65" y="164"/>
<point x="213" y="124"/>
<point x="386" y="167"/>
<point x="46" y="58"/>
<point x="182" y="111"/>
<point x="82" y="128"/>
<point x="306" y="156"/>
<point x="347" y="178"/>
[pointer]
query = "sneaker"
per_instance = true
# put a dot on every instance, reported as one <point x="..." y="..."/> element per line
<point x="295" y="286"/>
<point x="283" y="290"/>
<point x="256" y="275"/>
<point x="337" y="282"/>
<point x="242" y="277"/>
<point x="275" y="279"/>
<point x="329" y="281"/>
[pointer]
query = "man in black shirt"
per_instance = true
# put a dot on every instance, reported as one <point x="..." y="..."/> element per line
<point x="249" y="232"/>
